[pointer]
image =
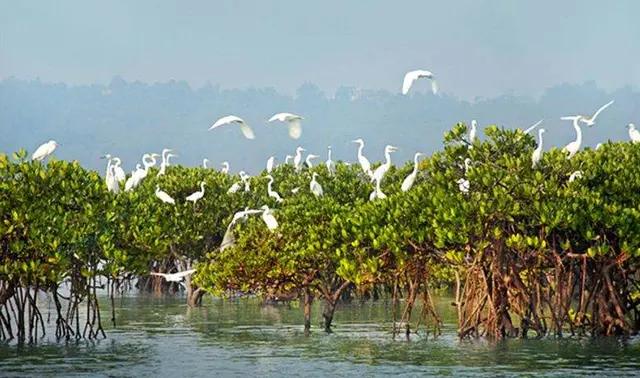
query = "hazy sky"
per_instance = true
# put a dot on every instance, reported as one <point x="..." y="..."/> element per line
<point x="476" y="48"/>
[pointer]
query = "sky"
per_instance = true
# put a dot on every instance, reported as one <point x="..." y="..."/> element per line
<point x="476" y="48"/>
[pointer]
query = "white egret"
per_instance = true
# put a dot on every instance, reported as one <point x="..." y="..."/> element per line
<point x="118" y="172"/>
<point x="44" y="150"/>
<point x="315" y="186"/>
<point x="297" y="160"/>
<point x="634" y="134"/>
<point x="537" y="153"/>
<point x="196" y="196"/>
<point x="574" y="146"/>
<point x="530" y="128"/>
<point x="174" y="277"/>
<point x="295" y="190"/>
<point x="377" y="192"/>
<point x="463" y="183"/>
<point x="163" y="196"/>
<point x="112" y="182"/>
<point x="134" y="179"/>
<point x="108" y="176"/>
<point x="148" y="160"/>
<point x="364" y="162"/>
<point x="268" y="218"/>
<point x="308" y="160"/>
<point x="592" y="120"/>
<point x="412" y="76"/>
<point x="287" y="158"/>
<point x="272" y="193"/>
<point x="205" y="163"/>
<point x="331" y="165"/>
<point x="270" y="163"/>
<point x="575" y="175"/>
<point x="225" y="167"/>
<point x="165" y="163"/>
<point x="598" y="146"/>
<point x="230" y="120"/>
<point x="235" y="187"/>
<point x="379" y="173"/>
<point x="292" y="121"/>
<point x="245" y="180"/>
<point x="411" y="178"/>
<point x="472" y="132"/>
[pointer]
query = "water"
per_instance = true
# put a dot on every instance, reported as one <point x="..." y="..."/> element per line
<point x="162" y="337"/>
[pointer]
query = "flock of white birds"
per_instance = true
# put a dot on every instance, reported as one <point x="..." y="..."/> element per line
<point x="115" y="176"/>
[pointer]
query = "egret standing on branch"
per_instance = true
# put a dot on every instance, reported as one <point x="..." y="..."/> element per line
<point x="268" y="218"/>
<point x="230" y="120"/>
<point x="315" y="186"/>
<point x="463" y="183"/>
<point x="377" y="192"/>
<point x="537" y="153"/>
<point x="364" y="162"/>
<point x="308" y="162"/>
<point x="331" y="166"/>
<point x="44" y="150"/>
<point x="272" y="193"/>
<point x="164" y="197"/>
<point x="379" y="173"/>
<point x="634" y="134"/>
<point x="411" y="178"/>
<point x="472" y="132"/>
<point x="292" y="121"/>
<point x="270" y="163"/>
<point x="297" y="160"/>
<point x="225" y="167"/>
<point x="592" y="120"/>
<point x="196" y="196"/>
<point x="412" y="76"/>
<point x="573" y="147"/>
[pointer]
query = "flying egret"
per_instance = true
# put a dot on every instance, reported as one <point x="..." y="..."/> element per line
<point x="297" y="160"/>
<point x="308" y="160"/>
<point x="225" y="167"/>
<point x="463" y="183"/>
<point x="634" y="134"/>
<point x="411" y="178"/>
<point x="268" y="218"/>
<point x="530" y="128"/>
<point x="287" y="158"/>
<point x="196" y="196"/>
<point x="364" y="162"/>
<point x="315" y="186"/>
<point x="230" y="120"/>
<point x="174" y="277"/>
<point x="592" y="120"/>
<point x="163" y="196"/>
<point x="537" y="153"/>
<point x="118" y="172"/>
<point x="472" y="132"/>
<point x="270" y="163"/>
<point x="412" y="76"/>
<point x="379" y="173"/>
<point x="272" y="193"/>
<point x="331" y="165"/>
<point x="575" y="175"/>
<point x="574" y="146"/>
<point x="377" y="192"/>
<point x="44" y="150"/>
<point x="292" y="121"/>
<point x="205" y="162"/>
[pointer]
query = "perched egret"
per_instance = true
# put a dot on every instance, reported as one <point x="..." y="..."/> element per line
<point x="315" y="186"/>
<point x="205" y="163"/>
<point x="472" y="132"/>
<point x="268" y="218"/>
<point x="592" y="120"/>
<point x="165" y="163"/>
<point x="530" y="128"/>
<point x="112" y="182"/>
<point x="364" y="162"/>
<point x="634" y="134"/>
<point x="272" y="193"/>
<point x="331" y="165"/>
<point x="245" y="180"/>
<point x="163" y="196"/>
<point x="575" y="175"/>
<point x="292" y="121"/>
<point x="377" y="192"/>
<point x="598" y="146"/>
<point x="412" y="76"/>
<point x="44" y="150"/>
<point x="379" y="173"/>
<point x="287" y="159"/>
<point x="225" y="167"/>
<point x="411" y="178"/>
<point x="308" y="160"/>
<point x="235" y="187"/>
<point x="574" y="146"/>
<point x="108" y="176"/>
<point x="537" y="153"/>
<point x="118" y="172"/>
<point x="295" y="190"/>
<point x="196" y="196"/>
<point x="463" y="183"/>
<point x="230" y="120"/>
<point x="174" y="277"/>
<point x="134" y="179"/>
<point x="270" y="162"/>
<point x="297" y="160"/>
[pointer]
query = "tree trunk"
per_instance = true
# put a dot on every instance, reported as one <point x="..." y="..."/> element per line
<point x="327" y="314"/>
<point x="308" y="299"/>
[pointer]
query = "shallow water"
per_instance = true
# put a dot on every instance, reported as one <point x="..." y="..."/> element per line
<point x="162" y="337"/>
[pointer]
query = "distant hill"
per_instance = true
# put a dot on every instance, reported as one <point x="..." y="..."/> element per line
<point x="130" y="118"/>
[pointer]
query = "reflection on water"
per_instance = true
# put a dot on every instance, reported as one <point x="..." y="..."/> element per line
<point x="161" y="337"/>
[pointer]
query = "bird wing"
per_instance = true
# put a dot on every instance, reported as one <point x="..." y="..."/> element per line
<point x="225" y="121"/>
<point x="295" y="129"/>
<point x="158" y="274"/>
<point x="409" y="78"/>
<point x="434" y="86"/>
<point x="246" y="130"/>
<point x="184" y="273"/>
<point x="601" y="109"/>
<point x="279" y="117"/>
